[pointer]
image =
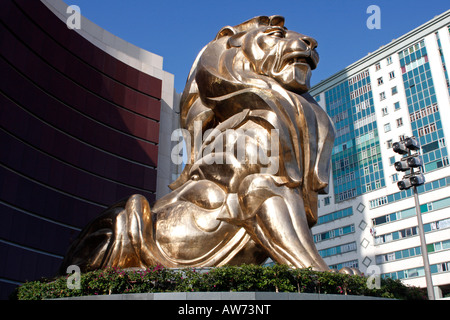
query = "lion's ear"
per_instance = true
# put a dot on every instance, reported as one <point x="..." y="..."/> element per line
<point x="276" y="21"/>
<point x="225" y="32"/>
<point x="235" y="37"/>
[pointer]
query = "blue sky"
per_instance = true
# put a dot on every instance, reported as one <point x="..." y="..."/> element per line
<point x="178" y="30"/>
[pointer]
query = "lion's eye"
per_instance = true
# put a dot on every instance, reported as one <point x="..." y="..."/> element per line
<point x="278" y="34"/>
<point x="275" y="32"/>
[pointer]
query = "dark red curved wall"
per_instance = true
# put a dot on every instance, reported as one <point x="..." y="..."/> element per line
<point x="78" y="132"/>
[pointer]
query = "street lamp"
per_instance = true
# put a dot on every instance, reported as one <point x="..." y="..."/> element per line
<point x="410" y="162"/>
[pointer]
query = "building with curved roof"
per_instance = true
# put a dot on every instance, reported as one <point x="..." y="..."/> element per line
<point x="85" y="120"/>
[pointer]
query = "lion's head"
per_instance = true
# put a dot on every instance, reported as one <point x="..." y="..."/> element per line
<point x="269" y="49"/>
<point x="259" y="53"/>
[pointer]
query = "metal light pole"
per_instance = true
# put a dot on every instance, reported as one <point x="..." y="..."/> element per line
<point x="414" y="179"/>
<point x="423" y="247"/>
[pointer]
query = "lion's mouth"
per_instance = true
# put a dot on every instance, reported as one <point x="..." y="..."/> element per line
<point x="298" y="58"/>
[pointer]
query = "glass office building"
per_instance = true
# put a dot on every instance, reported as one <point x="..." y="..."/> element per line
<point x="365" y="221"/>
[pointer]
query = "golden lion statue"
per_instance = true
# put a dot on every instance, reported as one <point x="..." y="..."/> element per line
<point x="260" y="157"/>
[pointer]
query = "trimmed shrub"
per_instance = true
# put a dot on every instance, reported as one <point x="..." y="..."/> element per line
<point x="276" y="278"/>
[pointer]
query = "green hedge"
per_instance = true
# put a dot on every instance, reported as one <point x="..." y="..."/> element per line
<point x="277" y="278"/>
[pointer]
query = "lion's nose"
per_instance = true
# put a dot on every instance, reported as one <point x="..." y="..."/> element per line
<point x="302" y="43"/>
<point x="310" y="42"/>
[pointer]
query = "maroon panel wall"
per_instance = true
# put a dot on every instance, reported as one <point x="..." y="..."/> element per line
<point x="79" y="130"/>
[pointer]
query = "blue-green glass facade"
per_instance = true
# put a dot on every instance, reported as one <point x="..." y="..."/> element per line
<point x="441" y="54"/>
<point x="356" y="157"/>
<point x="423" y="107"/>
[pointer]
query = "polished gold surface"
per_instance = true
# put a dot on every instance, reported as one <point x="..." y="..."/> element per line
<point x="259" y="154"/>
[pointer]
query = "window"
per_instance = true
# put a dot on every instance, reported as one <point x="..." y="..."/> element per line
<point x="338" y="250"/>
<point x="378" y="202"/>
<point x="384" y="111"/>
<point x="335" y="215"/>
<point x="389" y="144"/>
<point x="347" y="194"/>
<point x="396" y="106"/>
<point x="326" y="200"/>
<point x="358" y="77"/>
<point x="414" y="64"/>
<point x="348" y="247"/>
<point x="380" y="80"/>
<point x="424" y="112"/>
<point x="362" y="106"/>
<point x="391" y="75"/>
<point x="399" y="122"/>
<point x="344" y="163"/>
<point x="420" y="131"/>
<point x="373" y="151"/>
<point x="427" y="129"/>
<point x="389" y="60"/>
<point x="377" y="66"/>
<point x="387" y="127"/>
<point x="382" y="96"/>
<point x="394" y="90"/>
<point x="392" y="160"/>
<point x="443" y="267"/>
<point x="394" y="177"/>
<point x="360" y="91"/>
<point x="406" y="233"/>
